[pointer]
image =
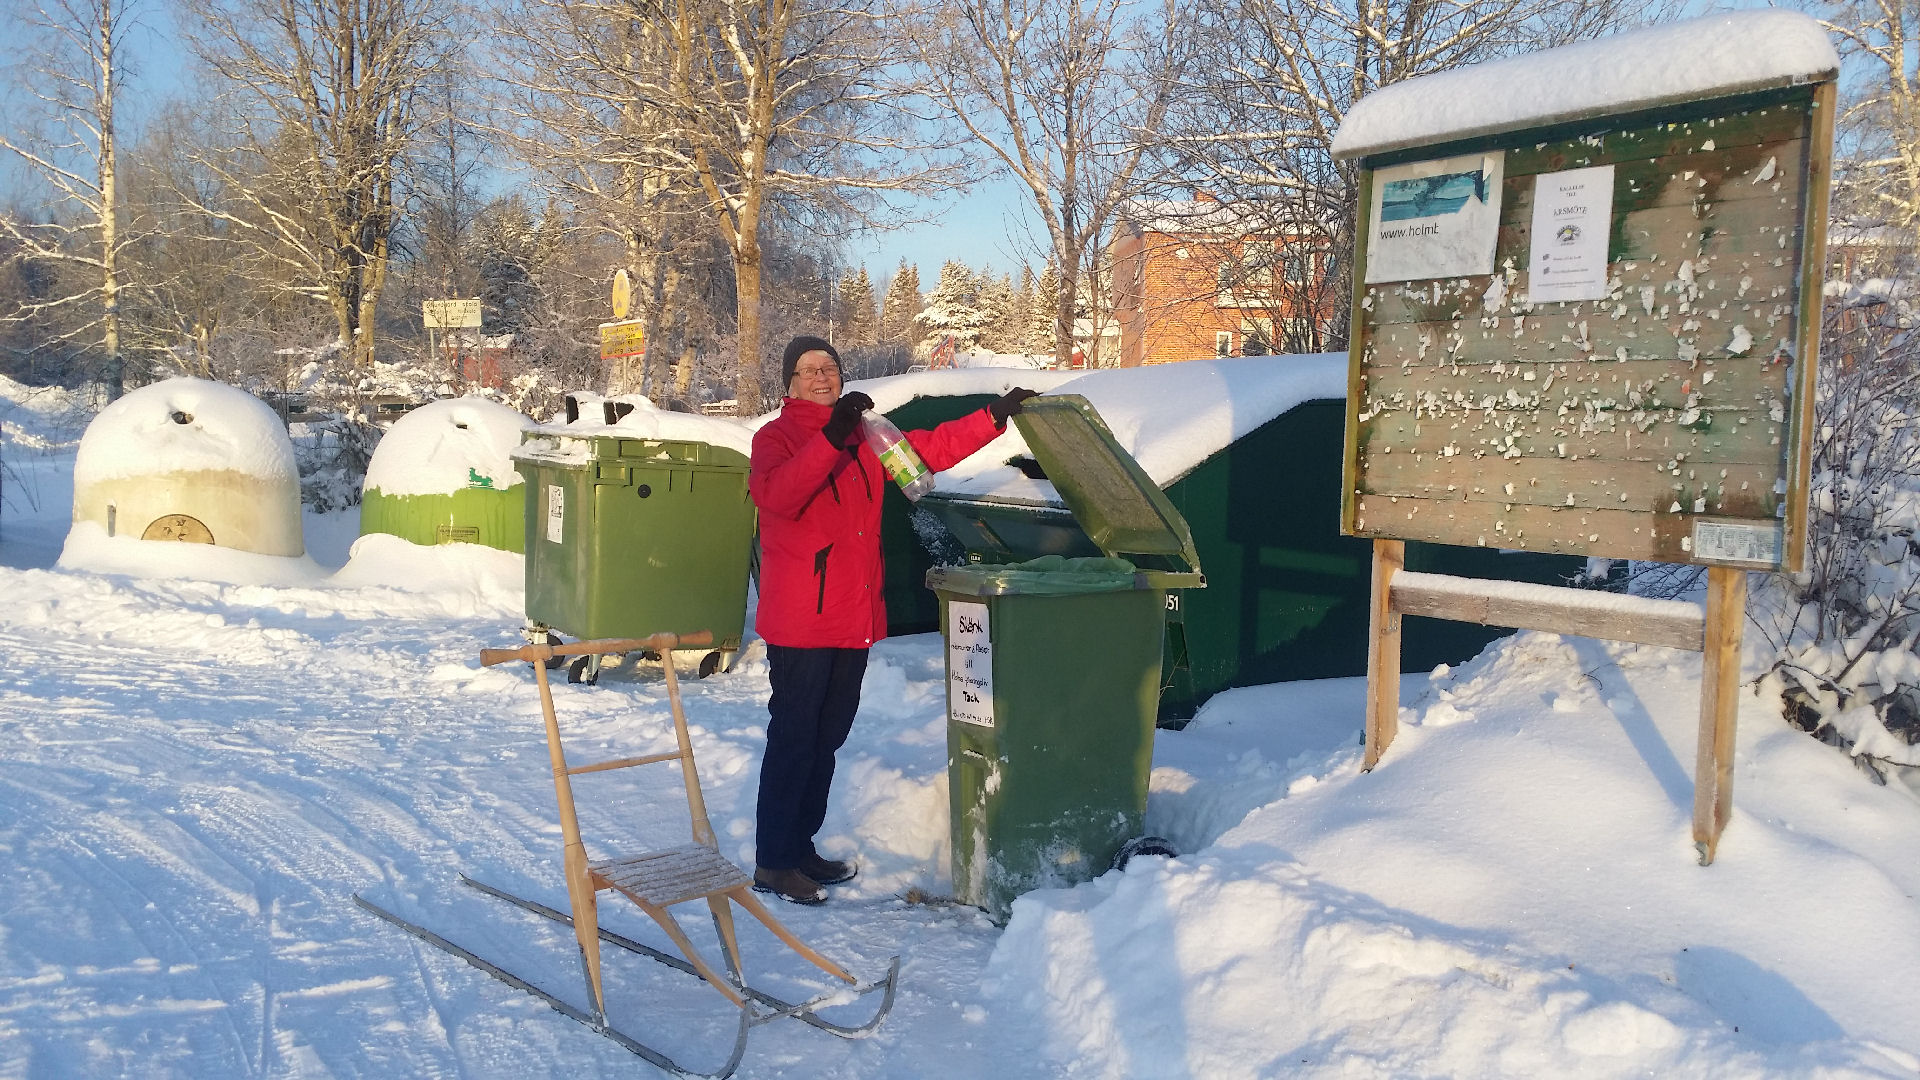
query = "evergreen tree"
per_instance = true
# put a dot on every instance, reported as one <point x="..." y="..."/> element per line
<point x="901" y="306"/>
<point x="954" y="307"/>
<point x="1019" y="319"/>
<point x="857" y="317"/>
<point x="999" y="332"/>
<point x="1040" y="307"/>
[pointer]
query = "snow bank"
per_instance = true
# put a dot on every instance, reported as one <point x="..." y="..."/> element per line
<point x="489" y="578"/>
<point x="1170" y="417"/>
<point x="185" y="425"/>
<point x="447" y="446"/>
<point x="89" y="548"/>
<point x="1713" y="56"/>
<point x="1510" y="893"/>
<point x="40" y="417"/>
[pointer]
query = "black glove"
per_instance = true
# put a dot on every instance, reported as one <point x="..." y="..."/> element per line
<point x="1009" y="403"/>
<point x="846" y="417"/>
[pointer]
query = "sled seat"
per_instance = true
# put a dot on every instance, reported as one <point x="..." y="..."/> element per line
<point x="672" y="876"/>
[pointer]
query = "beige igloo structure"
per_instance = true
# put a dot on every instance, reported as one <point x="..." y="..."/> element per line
<point x="191" y="460"/>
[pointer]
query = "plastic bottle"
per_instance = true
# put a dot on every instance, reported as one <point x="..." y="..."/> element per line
<point x="897" y="455"/>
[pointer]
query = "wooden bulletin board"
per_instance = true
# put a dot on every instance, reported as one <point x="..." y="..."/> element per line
<point x="1666" y="422"/>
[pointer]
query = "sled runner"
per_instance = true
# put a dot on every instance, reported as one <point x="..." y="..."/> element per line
<point x="654" y="881"/>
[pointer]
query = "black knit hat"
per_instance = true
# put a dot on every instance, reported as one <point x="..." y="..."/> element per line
<point x="799" y="347"/>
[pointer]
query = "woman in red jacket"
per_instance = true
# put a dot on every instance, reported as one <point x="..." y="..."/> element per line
<point x="819" y="489"/>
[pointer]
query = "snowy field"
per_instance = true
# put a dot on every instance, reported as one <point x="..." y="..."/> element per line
<point x="197" y="776"/>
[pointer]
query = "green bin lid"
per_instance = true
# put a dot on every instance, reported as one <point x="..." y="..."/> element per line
<point x="1122" y="510"/>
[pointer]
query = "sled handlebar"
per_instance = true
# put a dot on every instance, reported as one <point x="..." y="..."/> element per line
<point x="534" y="654"/>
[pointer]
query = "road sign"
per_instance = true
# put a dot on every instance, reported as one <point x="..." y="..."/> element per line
<point x="618" y="339"/>
<point x="450" y="314"/>
<point x="622" y="294"/>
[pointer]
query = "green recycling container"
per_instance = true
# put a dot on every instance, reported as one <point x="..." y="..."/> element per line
<point x="912" y="540"/>
<point x="474" y="515"/>
<point x="1053" y="673"/>
<point x="634" y="536"/>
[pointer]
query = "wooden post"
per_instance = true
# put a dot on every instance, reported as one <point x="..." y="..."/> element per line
<point x="1383" y="653"/>
<point x="1719" y="703"/>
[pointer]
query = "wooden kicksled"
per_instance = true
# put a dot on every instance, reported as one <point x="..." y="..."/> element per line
<point x="655" y="881"/>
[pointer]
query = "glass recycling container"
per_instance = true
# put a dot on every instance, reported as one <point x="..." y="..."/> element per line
<point x="628" y="537"/>
<point x="1053" y="672"/>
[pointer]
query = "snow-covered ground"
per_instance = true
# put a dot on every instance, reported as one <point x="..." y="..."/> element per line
<point x="196" y="776"/>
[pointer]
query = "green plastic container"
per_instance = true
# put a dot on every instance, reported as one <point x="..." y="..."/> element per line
<point x="913" y="541"/>
<point x="1053" y="673"/>
<point x="474" y="515"/>
<point x="627" y="537"/>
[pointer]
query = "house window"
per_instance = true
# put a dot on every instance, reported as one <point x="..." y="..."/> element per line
<point x="1223" y="343"/>
<point x="1298" y="336"/>
<point x="1297" y="265"/>
<point x="1256" y="337"/>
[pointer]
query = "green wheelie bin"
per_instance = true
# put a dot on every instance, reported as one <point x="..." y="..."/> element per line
<point x="1053" y="673"/>
<point x="631" y="536"/>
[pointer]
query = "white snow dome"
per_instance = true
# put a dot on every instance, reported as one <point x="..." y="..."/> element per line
<point x="192" y="460"/>
<point x="448" y="446"/>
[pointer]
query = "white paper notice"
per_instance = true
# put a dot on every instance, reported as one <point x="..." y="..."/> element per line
<point x="1572" y="219"/>
<point x="1434" y="219"/>
<point x="969" y="664"/>
<point x="556" y="512"/>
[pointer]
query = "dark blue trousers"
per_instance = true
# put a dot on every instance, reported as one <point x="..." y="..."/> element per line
<point x="815" y="694"/>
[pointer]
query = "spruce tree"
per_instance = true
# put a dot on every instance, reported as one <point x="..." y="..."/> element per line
<point x="1044" y="299"/>
<point x="901" y="306"/>
<point x="954" y="307"/>
<point x="855" y="312"/>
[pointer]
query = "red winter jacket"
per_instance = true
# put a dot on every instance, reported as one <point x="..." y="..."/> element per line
<point x="821" y="575"/>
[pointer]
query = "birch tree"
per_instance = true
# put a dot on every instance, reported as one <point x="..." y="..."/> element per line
<point x="328" y="97"/>
<point x="739" y="108"/>
<point x="1881" y="120"/>
<point x="68" y="147"/>
<point x="1065" y="96"/>
<point x="1256" y="113"/>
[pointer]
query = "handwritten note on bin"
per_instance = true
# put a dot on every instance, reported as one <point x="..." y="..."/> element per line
<point x="969" y="664"/>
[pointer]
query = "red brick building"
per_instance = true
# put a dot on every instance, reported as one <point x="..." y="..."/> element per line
<point x="1202" y="279"/>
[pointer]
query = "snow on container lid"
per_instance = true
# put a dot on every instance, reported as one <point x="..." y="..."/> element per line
<point x="182" y="426"/>
<point x="447" y="446"/>
<point x="1715" y="56"/>
<point x="571" y="443"/>
<point x="1169" y="417"/>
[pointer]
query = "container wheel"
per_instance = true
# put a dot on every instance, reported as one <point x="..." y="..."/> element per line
<point x="584" y="669"/>
<point x="542" y="636"/>
<point x="711" y="663"/>
<point x="1143" y="845"/>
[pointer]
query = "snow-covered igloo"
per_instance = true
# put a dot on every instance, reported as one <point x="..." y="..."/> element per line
<point x="443" y="475"/>
<point x="192" y="460"/>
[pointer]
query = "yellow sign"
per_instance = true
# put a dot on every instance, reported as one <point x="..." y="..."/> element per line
<point x="618" y="339"/>
<point x="450" y="314"/>
<point x="622" y="294"/>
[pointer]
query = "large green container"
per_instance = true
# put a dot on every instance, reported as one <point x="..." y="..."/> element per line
<point x="634" y="536"/>
<point x="474" y="515"/>
<point x="913" y="541"/>
<point x="1053" y="674"/>
<point x="1288" y="594"/>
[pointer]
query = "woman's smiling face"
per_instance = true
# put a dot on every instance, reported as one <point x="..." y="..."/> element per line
<point x="816" y="378"/>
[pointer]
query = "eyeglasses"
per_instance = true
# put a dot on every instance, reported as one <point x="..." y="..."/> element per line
<point x="816" y="373"/>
